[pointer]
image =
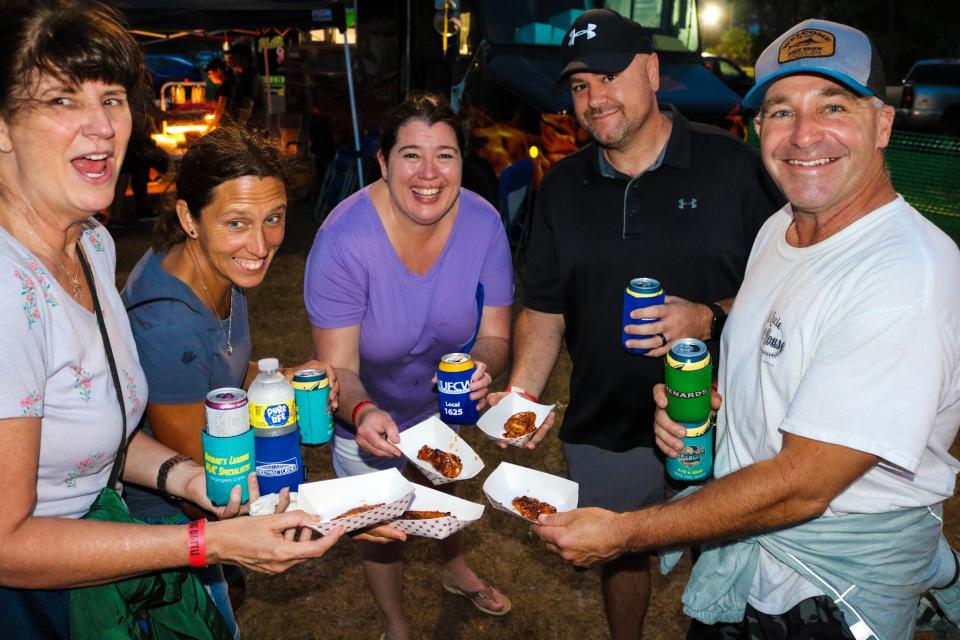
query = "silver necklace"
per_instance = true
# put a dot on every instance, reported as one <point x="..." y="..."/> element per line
<point x="228" y="332"/>
<point x="75" y="278"/>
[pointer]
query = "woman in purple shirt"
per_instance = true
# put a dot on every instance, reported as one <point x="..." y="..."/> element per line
<point x="391" y="286"/>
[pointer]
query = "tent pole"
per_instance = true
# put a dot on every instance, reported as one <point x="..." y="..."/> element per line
<point x="353" y="109"/>
<point x="266" y="67"/>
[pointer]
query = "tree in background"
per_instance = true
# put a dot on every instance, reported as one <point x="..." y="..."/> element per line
<point x="735" y="44"/>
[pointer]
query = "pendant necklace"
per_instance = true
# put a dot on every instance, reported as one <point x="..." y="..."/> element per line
<point x="75" y="278"/>
<point x="228" y="332"/>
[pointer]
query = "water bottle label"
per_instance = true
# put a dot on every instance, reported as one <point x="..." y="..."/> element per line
<point x="272" y="416"/>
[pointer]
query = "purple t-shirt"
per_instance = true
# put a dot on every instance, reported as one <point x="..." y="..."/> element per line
<point x="407" y="321"/>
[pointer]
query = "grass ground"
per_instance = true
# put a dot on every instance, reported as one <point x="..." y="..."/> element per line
<point x="327" y="598"/>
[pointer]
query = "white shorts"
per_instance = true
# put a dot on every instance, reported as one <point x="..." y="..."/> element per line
<point x="350" y="460"/>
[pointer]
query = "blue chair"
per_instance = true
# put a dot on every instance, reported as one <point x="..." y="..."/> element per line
<point x="512" y="192"/>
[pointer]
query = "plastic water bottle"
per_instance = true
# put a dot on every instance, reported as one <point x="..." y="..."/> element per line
<point x="271" y="398"/>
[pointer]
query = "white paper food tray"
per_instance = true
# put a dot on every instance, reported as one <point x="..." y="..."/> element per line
<point x="330" y="498"/>
<point x="462" y="513"/>
<point x="491" y="422"/>
<point x="434" y="433"/>
<point x="509" y="481"/>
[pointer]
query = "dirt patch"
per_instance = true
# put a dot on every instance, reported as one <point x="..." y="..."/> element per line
<point x="328" y="598"/>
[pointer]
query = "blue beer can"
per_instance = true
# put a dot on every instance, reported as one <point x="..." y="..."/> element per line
<point x="694" y="462"/>
<point x="453" y="383"/>
<point x="278" y="460"/>
<point x="641" y="292"/>
<point x="311" y="392"/>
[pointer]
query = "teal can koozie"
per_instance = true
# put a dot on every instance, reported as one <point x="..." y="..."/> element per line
<point x="311" y="391"/>
<point x="695" y="461"/>
<point x="227" y="461"/>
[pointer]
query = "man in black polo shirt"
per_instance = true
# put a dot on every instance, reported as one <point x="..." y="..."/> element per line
<point x="653" y="195"/>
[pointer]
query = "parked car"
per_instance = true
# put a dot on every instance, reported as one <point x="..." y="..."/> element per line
<point x="729" y="72"/>
<point x="931" y="96"/>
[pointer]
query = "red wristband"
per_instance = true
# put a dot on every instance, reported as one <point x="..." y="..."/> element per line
<point x="197" y="543"/>
<point x="356" y="410"/>
<point x="523" y="392"/>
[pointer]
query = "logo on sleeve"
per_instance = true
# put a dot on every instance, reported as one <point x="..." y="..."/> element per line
<point x="773" y="343"/>
<point x="684" y="204"/>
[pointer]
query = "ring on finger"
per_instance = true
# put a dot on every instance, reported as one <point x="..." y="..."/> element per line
<point x="663" y="339"/>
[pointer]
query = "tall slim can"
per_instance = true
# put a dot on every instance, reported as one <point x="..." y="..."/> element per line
<point x="688" y="377"/>
<point x="640" y="293"/>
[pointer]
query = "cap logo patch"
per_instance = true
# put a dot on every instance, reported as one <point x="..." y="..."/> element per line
<point x="807" y="43"/>
<point x="590" y="32"/>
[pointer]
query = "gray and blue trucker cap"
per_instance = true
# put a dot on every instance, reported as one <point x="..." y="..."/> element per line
<point x="824" y="48"/>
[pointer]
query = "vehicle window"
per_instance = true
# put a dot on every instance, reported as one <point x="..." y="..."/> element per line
<point x="674" y="24"/>
<point x="936" y="74"/>
<point x="727" y="69"/>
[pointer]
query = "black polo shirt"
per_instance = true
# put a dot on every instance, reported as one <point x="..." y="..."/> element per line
<point x="689" y="222"/>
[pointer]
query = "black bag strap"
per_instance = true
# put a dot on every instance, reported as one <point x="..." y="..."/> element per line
<point x="122" y="450"/>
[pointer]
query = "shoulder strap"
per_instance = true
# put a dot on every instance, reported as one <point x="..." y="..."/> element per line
<point x="122" y="450"/>
<point x="137" y="305"/>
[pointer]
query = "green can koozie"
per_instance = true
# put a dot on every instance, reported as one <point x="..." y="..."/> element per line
<point x="688" y="377"/>
<point x="227" y="462"/>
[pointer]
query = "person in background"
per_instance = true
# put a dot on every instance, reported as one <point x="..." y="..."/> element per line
<point x="840" y="379"/>
<point x="222" y="76"/>
<point x="652" y="195"/>
<point x="69" y="75"/>
<point x="249" y="96"/>
<point x="390" y="287"/>
<point x="189" y="290"/>
<point x="142" y="155"/>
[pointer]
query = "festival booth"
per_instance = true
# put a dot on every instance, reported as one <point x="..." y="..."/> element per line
<point x="157" y="21"/>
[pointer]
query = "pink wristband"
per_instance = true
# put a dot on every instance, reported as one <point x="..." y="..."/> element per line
<point x="197" y="543"/>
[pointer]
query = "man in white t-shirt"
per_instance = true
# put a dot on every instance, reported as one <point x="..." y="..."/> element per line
<point x="840" y="374"/>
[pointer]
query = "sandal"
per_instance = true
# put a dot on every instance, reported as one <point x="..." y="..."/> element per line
<point x="480" y="597"/>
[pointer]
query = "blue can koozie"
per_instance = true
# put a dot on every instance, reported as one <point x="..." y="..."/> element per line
<point x="227" y="461"/>
<point x="453" y="386"/>
<point x="311" y="391"/>
<point x="640" y="292"/>
<point x="695" y="461"/>
<point x="279" y="463"/>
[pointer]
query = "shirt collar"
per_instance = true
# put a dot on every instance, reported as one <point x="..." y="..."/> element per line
<point x="675" y="153"/>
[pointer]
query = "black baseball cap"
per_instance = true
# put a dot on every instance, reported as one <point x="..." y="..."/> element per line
<point x="602" y="41"/>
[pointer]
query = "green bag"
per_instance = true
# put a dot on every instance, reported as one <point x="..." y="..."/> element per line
<point x="173" y="602"/>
